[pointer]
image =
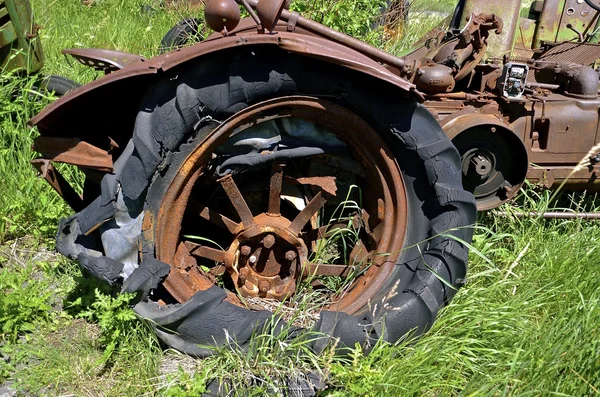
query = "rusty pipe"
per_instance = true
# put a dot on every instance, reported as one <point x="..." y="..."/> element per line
<point x="341" y="38"/>
<point x="251" y="11"/>
<point x="553" y="215"/>
<point x="543" y="86"/>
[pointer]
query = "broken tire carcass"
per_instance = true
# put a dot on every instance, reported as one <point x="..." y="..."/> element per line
<point x="183" y="33"/>
<point x="58" y="85"/>
<point x="254" y="174"/>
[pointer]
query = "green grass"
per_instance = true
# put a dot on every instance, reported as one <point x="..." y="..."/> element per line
<point x="526" y="323"/>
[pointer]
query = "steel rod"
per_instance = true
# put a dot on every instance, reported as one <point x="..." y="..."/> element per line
<point x="553" y="215"/>
<point x="341" y="38"/>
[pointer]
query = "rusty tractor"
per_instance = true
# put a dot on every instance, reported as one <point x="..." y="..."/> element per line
<point x="21" y="49"/>
<point x="279" y="156"/>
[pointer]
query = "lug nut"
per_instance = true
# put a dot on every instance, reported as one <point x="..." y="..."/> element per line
<point x="264" y="286"/>
<point x="268" y="241"/>
<point x="245" y="250"/>
<point x="291" y="255"/>
<point x="243" y="275"/>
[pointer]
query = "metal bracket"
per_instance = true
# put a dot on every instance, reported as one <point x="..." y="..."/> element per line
<point x="59" y="183"/>
<point x="291" y="25"/>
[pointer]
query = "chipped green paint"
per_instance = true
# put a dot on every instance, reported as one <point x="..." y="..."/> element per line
<point x="557" y="15"/>
<point x="549" y="21"/>
<point x="20" y="46"/>
<point x="524" y="38"/>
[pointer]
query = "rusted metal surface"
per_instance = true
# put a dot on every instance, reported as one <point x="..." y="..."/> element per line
<point x="84" y="105"/>
<point x="268" y="12"/>
<point x="505" y="10"/>
<point x="222" y="15"/>
<point x="325" y="183"/>
<point x="75" y="152"/>
<point x="553" y="125"/>
<point x="556" y="119"/>
<point x="341" y="38"/>
<point x="485" y="172"/>
<point x="557" y="15"/>
<point x="583" y="53"/>
<point x="268" y="252"/>
<point x="256" y="230"/>
<point x="275" y="186"/>
<point x="236" y="198"/>
<point x="106" y="61"/>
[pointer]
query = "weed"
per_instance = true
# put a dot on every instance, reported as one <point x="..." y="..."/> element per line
<point x="115" y="318"/>
<point x="274" y="362"/>
<point x="526" y="322"/>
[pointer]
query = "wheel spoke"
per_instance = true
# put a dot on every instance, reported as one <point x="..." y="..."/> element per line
<point x="359" y="253"/>
<point x="325" y="183"/>
<point x="329" y="230"/>
<point x="320" y="269"/>
<point x="237" y="200"/>
<point x="323" y="231"/>
<point x="275" y="189"/>
<point x="218" y="270"/>
<point x="213" y="217"/>
<point x="304" y="216"/>
<point x="202" y="251"/>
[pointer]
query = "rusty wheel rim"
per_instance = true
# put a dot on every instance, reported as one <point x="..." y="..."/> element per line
<point x="269" y="252"/>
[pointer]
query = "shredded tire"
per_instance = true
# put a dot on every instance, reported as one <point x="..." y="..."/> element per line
<point x="183" y="109"/>
<point x="180" y="35"/>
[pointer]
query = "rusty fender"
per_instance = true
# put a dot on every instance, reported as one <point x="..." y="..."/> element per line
<point x="107" y="107"/>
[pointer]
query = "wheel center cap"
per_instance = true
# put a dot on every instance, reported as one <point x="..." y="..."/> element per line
<point x="265" y="259"/>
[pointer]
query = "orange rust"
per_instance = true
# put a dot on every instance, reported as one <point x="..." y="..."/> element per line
<point x="383" y="181"/>
<point x="73" y="151"/>
<point x="326" y="183"/>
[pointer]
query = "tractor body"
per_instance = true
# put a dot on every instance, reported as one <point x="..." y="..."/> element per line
<point x="518" y="96"/>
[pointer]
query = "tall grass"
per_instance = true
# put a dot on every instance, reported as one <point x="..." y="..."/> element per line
<point x="27" y="206"/>
<point x="526" y="322"/>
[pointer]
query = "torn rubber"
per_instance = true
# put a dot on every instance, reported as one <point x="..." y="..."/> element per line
<point x="181" y="110"/>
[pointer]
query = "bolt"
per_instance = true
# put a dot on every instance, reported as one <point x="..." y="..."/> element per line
<point x="252" y="259"/>
<point x="268" y="241"/>
<point x="264" y="286"/>
<point x="245" y="250"/>
<point x="243" y="275"/>
<point x="291" y="255"/>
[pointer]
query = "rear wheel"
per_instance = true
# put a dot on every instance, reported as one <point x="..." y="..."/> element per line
<point x="268" y="177"/>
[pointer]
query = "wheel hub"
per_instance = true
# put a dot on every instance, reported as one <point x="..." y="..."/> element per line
<point x="265" y="259"/>
<point x="481" y="165"/>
